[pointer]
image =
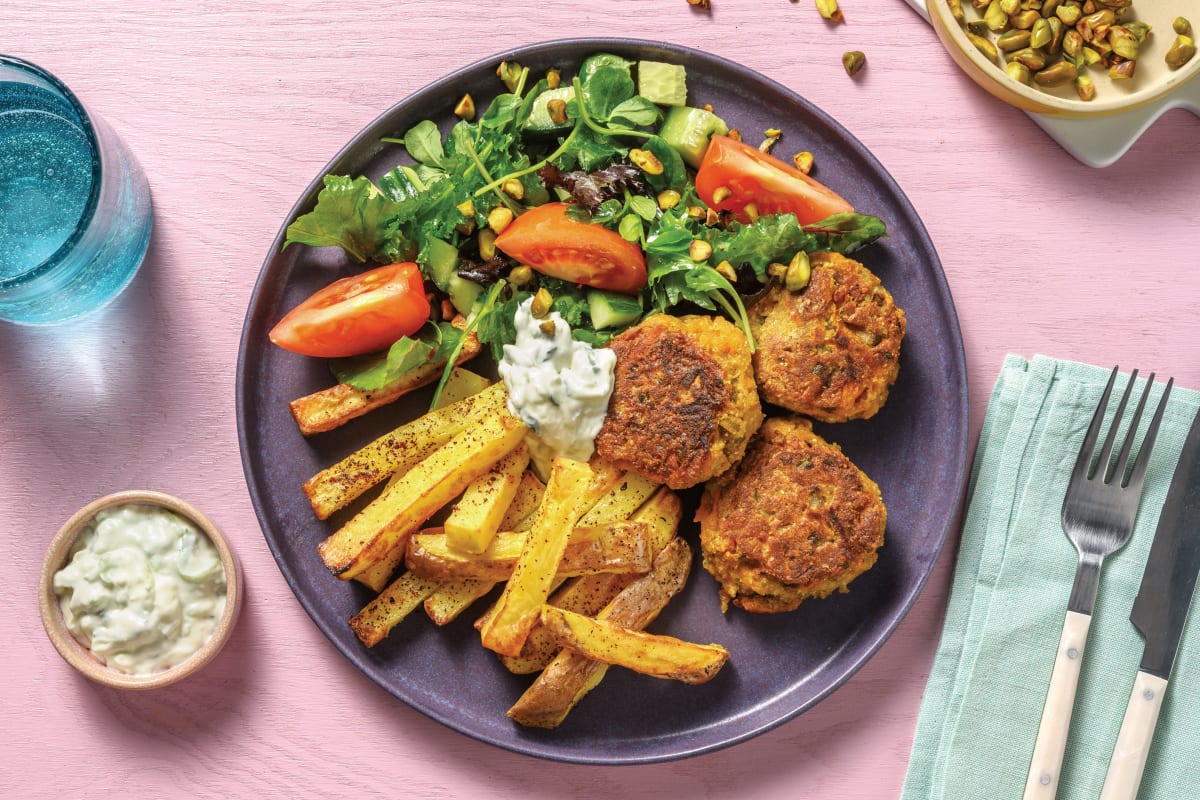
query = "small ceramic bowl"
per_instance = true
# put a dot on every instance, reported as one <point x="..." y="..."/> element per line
<point x="1152" y="80"/>
<point x="79" y="656"/>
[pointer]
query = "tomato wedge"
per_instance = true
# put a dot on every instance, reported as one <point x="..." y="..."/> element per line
<point x="356" y="315"/>
<point x="549" y="241"/>
<point x="753" y="176"/>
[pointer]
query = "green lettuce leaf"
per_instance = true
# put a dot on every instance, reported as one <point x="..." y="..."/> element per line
<point x="433" y="343"/>
<point x="352" y="214"/>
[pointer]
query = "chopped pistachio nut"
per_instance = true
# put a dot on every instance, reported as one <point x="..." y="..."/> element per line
<point x="829" y="10"/>
<point x="668" y="199"/>
<point x="513" y="188"/>
<point x="510" y="73"/>
<point x="520" y="275"/>
<point x="853" y="61"/>
<point x="465" y="108"/>
<point x="499" y="218"/>
<point x="803" y="161"/>
<point x="798" y="272"/>
<point x="646" y="161"/>
<point x="699" y="250"/>
<point x="1181" y="51"/>
<point x="541" y="303"/>
<point x="487" y="244"/>
<point x="557" y="109"/>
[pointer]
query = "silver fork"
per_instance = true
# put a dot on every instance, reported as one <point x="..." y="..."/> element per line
<point x="1097" y="515"/>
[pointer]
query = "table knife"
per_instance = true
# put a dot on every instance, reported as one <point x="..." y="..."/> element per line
<point x="1160" y="613"/>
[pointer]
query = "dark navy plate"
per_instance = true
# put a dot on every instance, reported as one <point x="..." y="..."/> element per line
<point x="781" y="665"/>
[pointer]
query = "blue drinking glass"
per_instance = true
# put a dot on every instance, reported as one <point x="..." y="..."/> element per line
<point x="75" y="211"/>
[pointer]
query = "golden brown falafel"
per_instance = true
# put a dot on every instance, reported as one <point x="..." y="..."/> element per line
<point x="795" y="519"/>
<point x="832" y="350"/>
<point x="684" y="402"/>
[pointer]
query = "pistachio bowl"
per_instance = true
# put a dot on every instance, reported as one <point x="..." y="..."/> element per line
<point x="1152" y="81"/>
<point x="75" y="652"/>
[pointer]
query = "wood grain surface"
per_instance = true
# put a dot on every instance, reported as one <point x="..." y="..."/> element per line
<point x="232" y="110"/>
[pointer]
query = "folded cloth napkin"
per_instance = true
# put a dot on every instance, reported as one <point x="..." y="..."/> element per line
<point x="983" y="702"/>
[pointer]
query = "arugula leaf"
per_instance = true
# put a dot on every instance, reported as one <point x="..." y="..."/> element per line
<point x="372" y="372"/>
<point x="424" y="143"/>
<point x="775" y="237"/>
<point x="351" y="214"/>
<point x="502" y="113"/>
<point x="636" y="112"/>
<point x="674" y="174"/>
<point x="847" y="232"/>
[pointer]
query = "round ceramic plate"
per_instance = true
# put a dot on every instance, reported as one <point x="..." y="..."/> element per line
<point x="916" y="449"/>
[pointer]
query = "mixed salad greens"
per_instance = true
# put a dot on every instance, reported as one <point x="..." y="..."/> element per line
<point x="619" y="149"/>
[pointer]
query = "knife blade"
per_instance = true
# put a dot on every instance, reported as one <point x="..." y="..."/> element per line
<point x="1161" y="608"/>
<point x="1160" y="613"/>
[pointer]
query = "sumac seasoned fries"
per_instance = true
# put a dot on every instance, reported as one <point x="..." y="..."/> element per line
<point x="585" y="560"/>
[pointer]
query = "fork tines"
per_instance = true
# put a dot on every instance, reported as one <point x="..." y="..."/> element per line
<point x="1104" y="466"/>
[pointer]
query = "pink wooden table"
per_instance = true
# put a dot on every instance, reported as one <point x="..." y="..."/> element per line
<point x="232" y="112"/>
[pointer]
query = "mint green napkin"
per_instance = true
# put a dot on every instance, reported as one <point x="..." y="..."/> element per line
<point x="980" y="712"/>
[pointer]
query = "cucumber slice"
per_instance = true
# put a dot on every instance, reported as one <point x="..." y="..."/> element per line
<point x="688" y="131"/>
<point x="463" y="294"/>
<point x="662" y="83"/>
<point x="539" y="113"/>
<point x="612" y="310"/>
<point x="440" y="260"/>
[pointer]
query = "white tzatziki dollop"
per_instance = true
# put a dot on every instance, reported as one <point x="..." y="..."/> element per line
<point x="557" y="386"/>
<point x="143" y="590"/>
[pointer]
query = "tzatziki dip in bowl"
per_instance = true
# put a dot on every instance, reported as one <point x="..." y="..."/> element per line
<point x="139" y="590"/>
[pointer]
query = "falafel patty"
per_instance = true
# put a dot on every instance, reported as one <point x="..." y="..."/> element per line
<point x="832" y="350"/>
<point x="796" y="519"/>
<point x="684" y="402"/>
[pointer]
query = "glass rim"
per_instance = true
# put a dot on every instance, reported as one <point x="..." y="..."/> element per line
<point x="89" y="210"/>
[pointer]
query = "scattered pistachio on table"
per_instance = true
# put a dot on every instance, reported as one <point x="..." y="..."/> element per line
<point x="1051" y="43"/>
<point x="829" y="10"/>
<point x="854" y="61"/>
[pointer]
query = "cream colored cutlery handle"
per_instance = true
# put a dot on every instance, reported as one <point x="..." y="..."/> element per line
<point x="1044" y="767"/>
<point x="1133" y="742"/>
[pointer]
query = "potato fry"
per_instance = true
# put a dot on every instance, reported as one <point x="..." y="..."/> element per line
<point x="521" y="601"/>
<point x="629" y="492"/>
<point x="477" y="515"/>
<point x="588" y="594"/>
<point x="378" y="617"/>
<point x="570" y="676"/>
<point x="605" y="480"/>
<point x="519" y="515"/>
<point x="646" y="653"/>
<point x="454" y="597"/>
<point x="621" y="547"/>
<point x="461" y="384"/>
<point x="396" y="452"/>
<point x="408" y="503"/>
<point x="333" y="407"/>
<point x="451" y="598"/>
<point x="377" y="576"/>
